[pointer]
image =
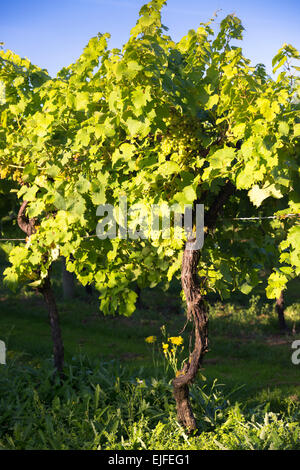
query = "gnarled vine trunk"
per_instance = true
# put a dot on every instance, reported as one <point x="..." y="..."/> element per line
<point x="279" y="308"/>
<point x="196" y="311"/>
<point x="28" y="226"/>
<point x="58" y="347"/>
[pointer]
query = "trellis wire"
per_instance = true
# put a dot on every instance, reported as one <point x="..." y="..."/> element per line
<point x="280" y="217"/>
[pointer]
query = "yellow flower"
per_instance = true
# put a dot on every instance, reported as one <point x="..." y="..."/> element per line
<point x="165" y="346"/>
<point x="150" y="339"/>
<point x="3" y="173"/>
<point x="177" y="340"/>
<point x="179" y="372"/>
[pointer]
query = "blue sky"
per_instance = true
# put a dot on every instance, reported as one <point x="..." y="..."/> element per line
<point x="52" y="33"/>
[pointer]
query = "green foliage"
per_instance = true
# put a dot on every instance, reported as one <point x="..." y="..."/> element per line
<point x="161" y="122"/>
<point x="246" y="354"/>
<point x="104" y="406"/>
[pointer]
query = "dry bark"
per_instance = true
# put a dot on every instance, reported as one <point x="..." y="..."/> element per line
<point x="196" y="312"/>
<point x="25" y="224"/>
<point x="28" y="226"/>
<point x="279" y="308"/>
<point x="58" y="347"/>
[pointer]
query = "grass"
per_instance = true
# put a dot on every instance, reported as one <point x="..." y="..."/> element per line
<point x="117" y="393"/>
<point x="105" y="406"/>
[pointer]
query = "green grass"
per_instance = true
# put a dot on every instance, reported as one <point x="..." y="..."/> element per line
<point x="107" y="406"/>
<point x="253" y="404"/>
<point x="245" y="348"/>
